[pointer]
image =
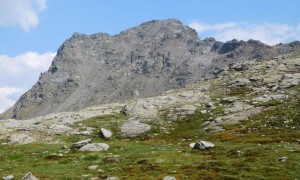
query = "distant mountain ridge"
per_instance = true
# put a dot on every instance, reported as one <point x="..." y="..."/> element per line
<point x="142" y="61"/>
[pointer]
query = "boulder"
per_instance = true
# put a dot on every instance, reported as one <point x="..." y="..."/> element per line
<point x="112" y="178"/>
<point x="239" y="82"/>
<point x="272" y="79"/>
<point x="105" y="133"/>
<point x="59" y="128"/>
<point x="169" y="178"/>
<point x="92" y="167"/>
<point x="237" y="106"/>
<point x="9" y="177"/>
<point x="21" y="138"/>
<point x="83" y="133"/>
<point x="134" y="128"/>
<point x="203" y="145"/>
<point x="80" y="144"/>
<point x="229" y="99"/>
<point x="95" y="147"/>
<point x="188" y="109"/>
<point x="29" y="176"/>
<point x="141" y="109"/>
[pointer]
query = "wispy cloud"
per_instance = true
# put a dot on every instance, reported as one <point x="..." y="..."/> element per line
<point x="19" y="73"/>
<point x="269" y="33"/>
<point x="24" y="13"/>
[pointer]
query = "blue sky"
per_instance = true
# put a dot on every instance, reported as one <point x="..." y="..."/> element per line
<point x="32" y="30"/>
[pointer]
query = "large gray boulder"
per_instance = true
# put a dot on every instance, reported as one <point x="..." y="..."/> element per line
<point x="22" y="138"/>
<point x="79" y="144"/>
<point x="133" y="128"/>
<point x="95" y="147"/>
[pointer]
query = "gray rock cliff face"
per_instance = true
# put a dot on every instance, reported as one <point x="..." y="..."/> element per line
<point x="142" y="61"/>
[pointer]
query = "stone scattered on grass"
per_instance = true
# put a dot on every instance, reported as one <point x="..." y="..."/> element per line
<point x="203" y="145"/>
<point x="112" y="178"/>
<point x="284" y="158"/>
<point x="29" y="176"/>
<point x="95" y="147"/>
<point x="169" y="178"/>
<point x="92" y="167"/>
<point x="9" y="177"/>
<point x="83" y="133"/>
<point x="21" y="138"/>
<point x="134" y="128"/>
<point x="79" y="144"/>
<point x="105" y="133"/>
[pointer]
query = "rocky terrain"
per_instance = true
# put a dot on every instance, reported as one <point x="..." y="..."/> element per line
<point x="156" y="102"/>
<point x="142" y="61"/>
<point x="255" y="102"/>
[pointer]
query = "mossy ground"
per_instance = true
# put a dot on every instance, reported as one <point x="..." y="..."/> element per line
<point x="248" y="150"/>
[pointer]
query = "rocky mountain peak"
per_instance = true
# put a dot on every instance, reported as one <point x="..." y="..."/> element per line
<point x="142" y="61"/>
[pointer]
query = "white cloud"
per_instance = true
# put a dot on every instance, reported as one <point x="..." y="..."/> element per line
<point x="32" y="61"/>
<point x="201" y="27"/>
<point x="269" y="33"/>
<point x="19" y="73"/>
<point x="21" y="12"/>
<point x="5" y="101"/>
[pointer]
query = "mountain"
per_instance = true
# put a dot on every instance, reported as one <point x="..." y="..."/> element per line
<point x="142" y="61"/>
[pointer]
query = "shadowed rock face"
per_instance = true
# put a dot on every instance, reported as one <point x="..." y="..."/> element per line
<point x="139" y="62"/>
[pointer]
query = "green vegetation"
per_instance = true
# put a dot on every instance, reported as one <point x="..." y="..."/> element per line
<point x="248" y="150"/>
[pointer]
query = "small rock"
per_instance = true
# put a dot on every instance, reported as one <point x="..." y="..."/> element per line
<point x="239" y="82"/>
<point x="95" y="147"/>
<point x="169" y="178"/>
<point x="203" y="111"/>
<point x="79" y="144"/>
<point x="203" y="145"/>
<point x="100" y="171"/>
<point x="192" y="145"/>
<point x="284" y="158"/>
<point x="64" y="147"/>
<point x="188" y="108"/>
<point x="210" y="105"/>
<point x="9" y="177"/>
<point x="92" y="167"/>
<point x="104" y="133"/>
<point x="29" y="176"/>
<point x="112" y="178"/>
<point x="83" y="133"/>
<point x="229" y="99"/>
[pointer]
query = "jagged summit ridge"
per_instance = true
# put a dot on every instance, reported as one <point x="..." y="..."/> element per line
<point x="142" y="61"/>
